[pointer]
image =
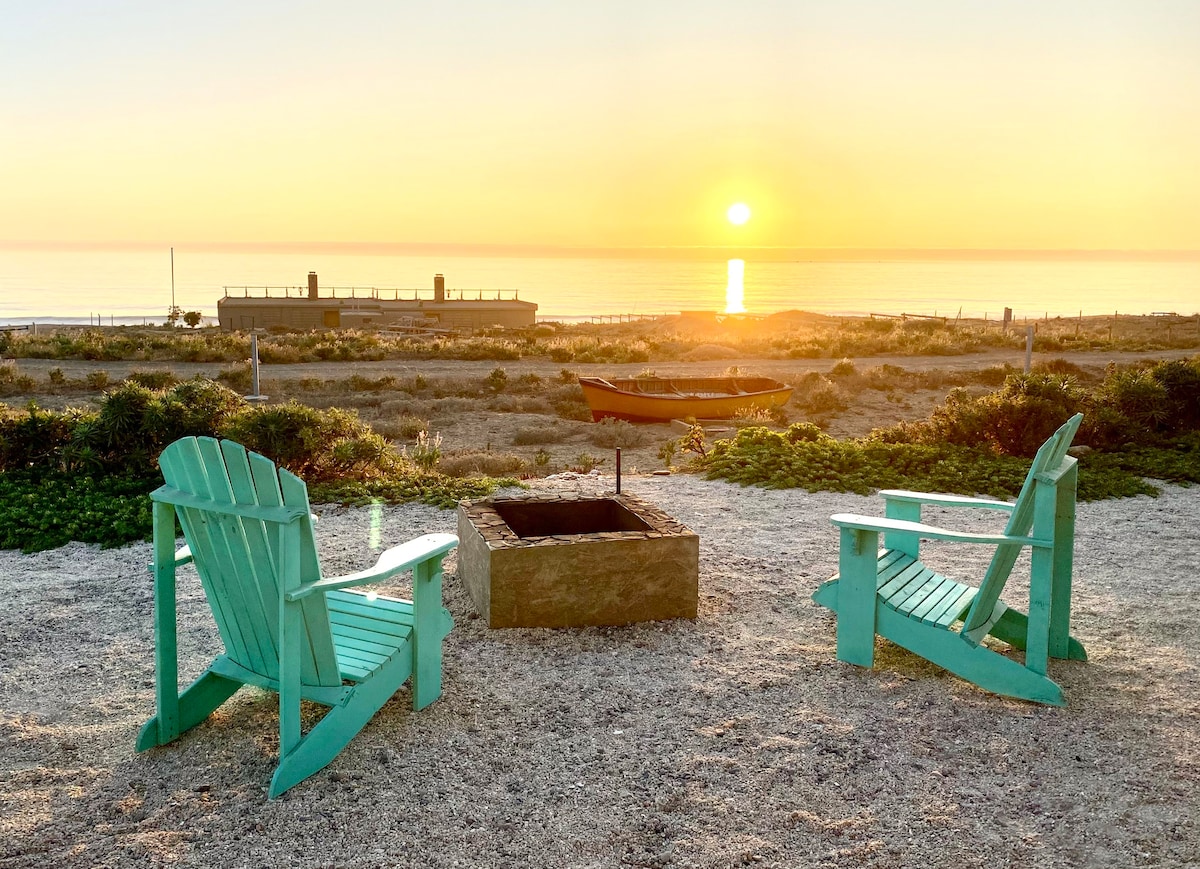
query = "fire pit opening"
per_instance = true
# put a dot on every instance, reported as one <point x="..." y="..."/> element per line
<point x="547" y="518"/>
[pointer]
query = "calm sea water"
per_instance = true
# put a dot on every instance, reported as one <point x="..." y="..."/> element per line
<point x="132" y="286"/>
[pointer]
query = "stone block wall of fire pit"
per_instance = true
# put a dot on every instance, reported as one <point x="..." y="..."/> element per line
<point x="566" y="560"/>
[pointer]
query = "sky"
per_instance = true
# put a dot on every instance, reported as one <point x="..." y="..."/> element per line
<point x="947" y="124"/>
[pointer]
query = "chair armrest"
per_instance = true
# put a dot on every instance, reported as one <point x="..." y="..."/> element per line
<point x="937" y="500"/>
<point x="929" y="532"/>
<point x="391" y="562"/>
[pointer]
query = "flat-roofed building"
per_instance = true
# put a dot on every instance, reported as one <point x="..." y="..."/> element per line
<point x="358" y="307"/>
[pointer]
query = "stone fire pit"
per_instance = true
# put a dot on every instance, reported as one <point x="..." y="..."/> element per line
<point x="562" y="560"/>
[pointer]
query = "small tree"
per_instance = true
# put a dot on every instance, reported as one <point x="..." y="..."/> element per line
<point x="192" y="318"/>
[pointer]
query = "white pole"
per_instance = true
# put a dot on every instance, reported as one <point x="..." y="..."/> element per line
<point x="1028" y="348"/>
<point x="254" y="362"/>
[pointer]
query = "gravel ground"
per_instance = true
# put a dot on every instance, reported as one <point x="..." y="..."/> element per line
<point x="735" y="739"/>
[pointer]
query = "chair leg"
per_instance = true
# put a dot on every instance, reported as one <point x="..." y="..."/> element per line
<point x="332" y="733"/>
<point x="431" y="624"/>
<point x="195" y="704"/>
<point x="1013" y="628"/>
<point x="1062" y="645"/>
<point x="857" y="567"/>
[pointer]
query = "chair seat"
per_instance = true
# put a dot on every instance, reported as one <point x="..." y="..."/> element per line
<point x="910" y="588"/>
<point x="367" y="630"/>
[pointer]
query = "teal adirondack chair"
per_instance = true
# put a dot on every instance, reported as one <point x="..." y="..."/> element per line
<point x="249" y="533"/>
<point x="890" y="592"/>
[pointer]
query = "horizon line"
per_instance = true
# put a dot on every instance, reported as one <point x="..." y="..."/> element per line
<point x="468" y="249"/>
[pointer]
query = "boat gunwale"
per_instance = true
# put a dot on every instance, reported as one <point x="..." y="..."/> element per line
<point x="760" y="385"/>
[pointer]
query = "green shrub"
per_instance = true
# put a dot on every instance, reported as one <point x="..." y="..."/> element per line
<point x="97" y="379"/>
<point x="1138" y="396"/>
<point x="360" y="383"/>
<point x="1015" y="420"/>
<point x="822" y="396"/>
<point x="758" y="415"/>
<point x="612" y="433"/>
<point x="568" y="402"/>
<point x="1131" y="406"/>
<point x="407" y="427"/>
<point x="85" y="475"/>
<point x="995" y="375"/>
<point x="44" y="511"/>
<point x="426" y="451"/>
<point x="497" y="380"/>
<point x="481" y="463"/>
<point x="585" y="463"/>
<point x="1181" y="379"/>
<point x="799" y="432"/>
<point x="528" y="383"/>
<point x="239" y="377"/>
<point x="1061" y="367"/>
<point x="35" y="440"/>
<point x="303" y="439"/>
<point x="435" y="489"/>
<point x="13" y="382"/>
<point x="155" y="379"/>
<point x="769" y="459"/>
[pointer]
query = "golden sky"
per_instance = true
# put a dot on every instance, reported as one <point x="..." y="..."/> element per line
<point x="906" y="124"/>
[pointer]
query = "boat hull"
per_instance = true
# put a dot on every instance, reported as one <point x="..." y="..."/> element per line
<point x="665" y="399"/>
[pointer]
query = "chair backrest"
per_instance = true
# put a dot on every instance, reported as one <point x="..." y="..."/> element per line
<point x="237" y="555"/>
<point x="1050" y="456"/>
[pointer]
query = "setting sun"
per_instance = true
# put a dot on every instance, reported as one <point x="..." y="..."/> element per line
<point x="738" y="213"/>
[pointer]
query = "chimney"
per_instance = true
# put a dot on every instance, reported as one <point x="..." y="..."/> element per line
<point x="312" y="285"/>
<point x="439" y="288"/>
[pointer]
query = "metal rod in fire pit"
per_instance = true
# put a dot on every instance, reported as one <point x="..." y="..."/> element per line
<point x="618" y="470"/>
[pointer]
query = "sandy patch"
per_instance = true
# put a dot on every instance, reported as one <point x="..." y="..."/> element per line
<point x="735" y="739"/>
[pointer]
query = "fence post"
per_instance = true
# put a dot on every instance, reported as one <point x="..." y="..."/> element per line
<point x="1028" y="348"/>
<point x="255" y="394"/>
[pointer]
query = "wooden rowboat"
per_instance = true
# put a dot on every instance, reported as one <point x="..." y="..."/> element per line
<point x="658" y="399"/>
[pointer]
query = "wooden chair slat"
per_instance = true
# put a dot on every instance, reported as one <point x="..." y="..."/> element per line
<point x="918" y="594"/>
<point x="945" y="587"/>
<point x="911" y="572"/>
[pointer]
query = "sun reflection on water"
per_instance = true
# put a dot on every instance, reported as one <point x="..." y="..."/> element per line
<point x="734" y="291"/>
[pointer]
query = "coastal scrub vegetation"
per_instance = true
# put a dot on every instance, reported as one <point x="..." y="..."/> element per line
<point x="1139" y="424"/>
<point x="86" y="474"/>
<point x="83" y="473"/>
<point x="788" y="335"/>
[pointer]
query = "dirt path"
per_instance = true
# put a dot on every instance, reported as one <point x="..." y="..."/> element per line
<point x="78" y="369"/>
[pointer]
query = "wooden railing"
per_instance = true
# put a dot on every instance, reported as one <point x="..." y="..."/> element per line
<point x="376" y="293"/>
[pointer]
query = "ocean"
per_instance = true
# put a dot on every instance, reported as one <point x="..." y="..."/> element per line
<point x="135" y="286"/>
